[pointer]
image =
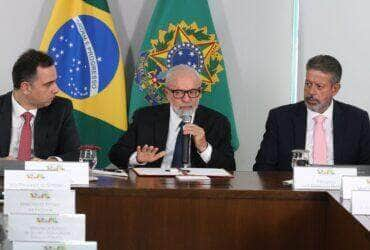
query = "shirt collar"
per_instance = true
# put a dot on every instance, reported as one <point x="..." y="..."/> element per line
<point x="328" y="112"/>
<point x="18" y="110"/>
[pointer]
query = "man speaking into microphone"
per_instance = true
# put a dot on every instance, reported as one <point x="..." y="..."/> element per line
<point x="158" y="134"/>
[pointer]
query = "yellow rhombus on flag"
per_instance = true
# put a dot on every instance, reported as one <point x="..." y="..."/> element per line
<point x="81" y="38"/>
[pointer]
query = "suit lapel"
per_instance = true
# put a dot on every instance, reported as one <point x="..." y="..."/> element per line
<point x="41" y="129"/>
<point x="5" y="124"/>
<point x="199" y="116"/>
<point x="339" y="128"/>
<point x="161" y="126"/>
<point x="299" y="122"/>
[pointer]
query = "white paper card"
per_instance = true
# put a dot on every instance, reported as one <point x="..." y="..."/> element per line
<point x="350" y="183"/>
<point x="211" y="172"/>
<point x="117" y="173"/>
<point x="193" y="178"/>
<point x="85" y="245"/>
<point x="39" y="201"/>
<point x="78" y="171"/>
<point x="157" y="172"/>
<point x="63" y="227"/>
<point x="361" y="202"/>
<point x="329" y="178"/>
<point x="20" y="179"/>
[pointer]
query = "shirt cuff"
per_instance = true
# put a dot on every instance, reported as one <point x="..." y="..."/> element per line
<point x="58" y="158"/>
<point x="133" y="162"/>
<point x="206" y="154"/>
<point x="55" y="157"/>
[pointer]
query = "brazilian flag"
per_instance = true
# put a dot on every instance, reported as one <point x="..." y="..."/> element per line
<point x="182" y="32"/>
<point x="81" y="38"/>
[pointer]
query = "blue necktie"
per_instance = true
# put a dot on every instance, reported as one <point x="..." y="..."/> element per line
<point x="177" y="154"/>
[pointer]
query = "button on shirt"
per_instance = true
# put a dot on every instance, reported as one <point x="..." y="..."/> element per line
<point x="173" y="131"/>
<point x="328" y="127"/>
<point x="17" y="124"/>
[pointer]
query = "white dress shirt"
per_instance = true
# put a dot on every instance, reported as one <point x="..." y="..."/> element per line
<point x="328" y="127"/>
<point x="173" y="130"/>
<point x="17" y="124"/>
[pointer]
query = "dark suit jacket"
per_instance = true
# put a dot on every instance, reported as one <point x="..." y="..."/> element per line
<point x="55" y="132"/>
<point x="286" y="130"/>
<point x="150" y="126"/>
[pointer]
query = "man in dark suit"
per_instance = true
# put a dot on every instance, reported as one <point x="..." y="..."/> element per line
<point x="333" y="132"/>
<point x="34" y="123"/>
<point x="152" y="137"/>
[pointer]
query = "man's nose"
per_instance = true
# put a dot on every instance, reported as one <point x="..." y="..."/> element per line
<point x="55" y="88"/>
<point x="186" y="97"/>
<point x="312" y="90"/>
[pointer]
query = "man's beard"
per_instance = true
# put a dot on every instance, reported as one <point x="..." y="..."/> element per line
<point x="319" y="107"/>
<point x="182" y="112"/>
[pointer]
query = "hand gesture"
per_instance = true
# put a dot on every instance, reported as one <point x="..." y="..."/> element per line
<point x="148" y="154"/>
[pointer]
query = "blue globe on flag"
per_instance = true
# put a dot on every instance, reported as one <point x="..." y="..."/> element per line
<point x="86" y="55"/>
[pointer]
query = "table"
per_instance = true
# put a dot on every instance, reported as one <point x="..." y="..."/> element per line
<point x="254" y="210"/>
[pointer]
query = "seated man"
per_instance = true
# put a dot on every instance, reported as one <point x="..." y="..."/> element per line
<point x="151" y="138"/>
<point x="34" y="123"/>
<point x="333" y="132"/>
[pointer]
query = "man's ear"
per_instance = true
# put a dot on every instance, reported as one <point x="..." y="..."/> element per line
<point x="166" y="91"/>
<point x="25" y="87"/>
<point x="335" y="88"/>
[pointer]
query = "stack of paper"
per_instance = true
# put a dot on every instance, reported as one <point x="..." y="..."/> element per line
<point x="209" y="172"/>
<point x="39" y="211"/>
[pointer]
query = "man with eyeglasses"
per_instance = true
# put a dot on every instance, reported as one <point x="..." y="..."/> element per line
<point x="152" y="137"/>
<point x="333" y="132"/>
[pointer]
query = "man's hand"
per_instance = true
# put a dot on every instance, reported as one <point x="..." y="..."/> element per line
<point x="8" y="158"/>
<point x="52" y="158"/>
<point x="36" y="159"/>
<point x="198" y="134"/>
<point x="148" y="154"/>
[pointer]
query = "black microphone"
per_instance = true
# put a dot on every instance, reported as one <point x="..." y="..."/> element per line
<point x="186" y="118"/>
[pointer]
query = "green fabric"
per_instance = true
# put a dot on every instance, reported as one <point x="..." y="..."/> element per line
<point x="95" y="131"/>
<point x="100" y="4"/>
<point x="166" y="12"/>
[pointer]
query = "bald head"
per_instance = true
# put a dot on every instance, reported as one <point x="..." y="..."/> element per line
<point x="182" y="71"/>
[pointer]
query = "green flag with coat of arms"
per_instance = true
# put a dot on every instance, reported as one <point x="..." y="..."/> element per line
<point x="182" y="32"/>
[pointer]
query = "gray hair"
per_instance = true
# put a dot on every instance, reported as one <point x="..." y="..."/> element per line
<point x="180" y="70"/>
<point x="326" y="64"/>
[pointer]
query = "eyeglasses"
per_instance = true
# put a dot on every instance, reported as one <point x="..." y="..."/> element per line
<point x="192" y="93"/>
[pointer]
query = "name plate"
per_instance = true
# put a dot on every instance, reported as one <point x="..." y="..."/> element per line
<point x="20" y="179"/>
<point x="30" y="227"/>
<point x="317" y="177"/>
<point x="39" y="201"/>
<point x="350" y="183"/>
<point x="89" y="245"/>
<point x="78" y="171"/>
<point x="361" y="202"/>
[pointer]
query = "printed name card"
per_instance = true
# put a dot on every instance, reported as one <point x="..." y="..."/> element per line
<point x="39" y="201"/>
<point x="361" y="202"/>
<point x="19" y="179"/>
<point x="78" y="171"/>
<point x="350" y="183"/>
<point x="30" y="227"/>
<point x="317" y="177"/>
<point x="88" y="245"/>
<point x="210" y="172"/>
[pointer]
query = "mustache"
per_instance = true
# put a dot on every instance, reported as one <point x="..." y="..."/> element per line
<point x="310" y="98"/>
